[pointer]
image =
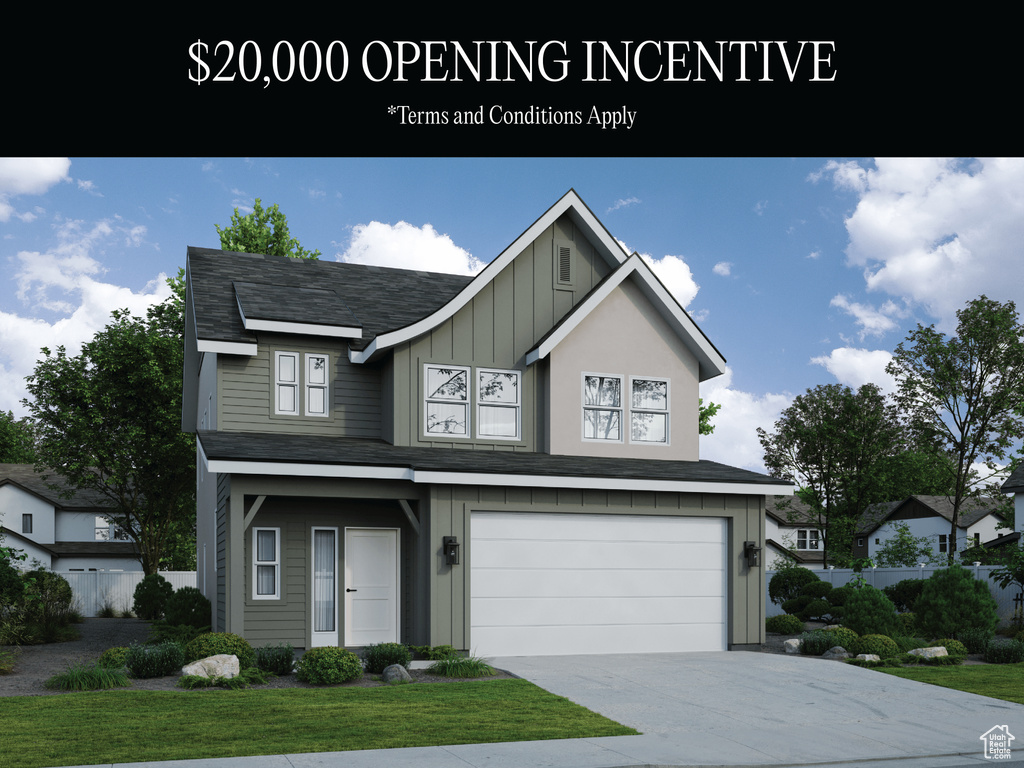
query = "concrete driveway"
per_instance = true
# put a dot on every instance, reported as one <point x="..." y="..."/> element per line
<point x="742" y="708"/>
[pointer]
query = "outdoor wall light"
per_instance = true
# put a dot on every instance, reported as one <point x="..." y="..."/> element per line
<point x="450" y="545"/>
<point x="753" y="553"/>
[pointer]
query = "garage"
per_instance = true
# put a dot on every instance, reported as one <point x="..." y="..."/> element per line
<point x="556" y="584"/>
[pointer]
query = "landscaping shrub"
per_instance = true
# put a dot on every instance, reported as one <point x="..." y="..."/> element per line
<point x="461" y="666"/>
<point x="783" y="624"/>
<point x="838" y="596"/>
<point x="787" y="583"/>
<point x="868" y="611"/>
<point x="11" y="586"/>
<point x="796" y="604"/>
<point x="815" y="609"/>
<point x="1004" y="651"/>
<point x="881" y="645"/>
<point x="113" y="658"/>
<point x="907" y="643"/>
<point x="8" y="659"/>
<point x="953" y="647"/>
<point x="381" y="655"/>
<point x="907" y="622"/>
<point x="975" y="640"/>
<point x="904" y="593"/>
<point x="214" y="643"/>
<point x="154" y="660"/>
<point x="820" y="640"/>
<point x="150" y="597"/>
<point x="85" y="677"/>
<point x="438" y="652"/>
<point x="952" y="601"/>
<point x="161" y="631"/>
<point x="328" y="666"/>
<point x="188" y="606"/>
<point x="816" y="589"/>
<point x="276" y="659"/>
<point x="245" y="678"/>
<point x="45" y="610"/>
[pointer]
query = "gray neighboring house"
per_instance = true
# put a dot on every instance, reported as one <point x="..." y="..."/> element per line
<point x="506" y="463"/>
<point x="792" y="532"/>
<point x="60" y="534"/>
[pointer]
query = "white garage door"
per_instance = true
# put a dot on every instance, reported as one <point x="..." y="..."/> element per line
<point x="546" y="584"/>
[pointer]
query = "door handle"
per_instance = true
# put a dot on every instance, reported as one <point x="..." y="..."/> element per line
<point x="351" y="590"/>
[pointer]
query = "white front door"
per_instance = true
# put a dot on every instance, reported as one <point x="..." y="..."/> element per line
<point x="325" y="587"/>
<point x="371" y="586"/>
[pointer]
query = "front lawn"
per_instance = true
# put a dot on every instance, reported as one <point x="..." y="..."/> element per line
<point x="998" y="681"/>
<point x="138" y="726"/>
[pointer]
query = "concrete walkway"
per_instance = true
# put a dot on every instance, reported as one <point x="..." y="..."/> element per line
<point x="718" y="709"/>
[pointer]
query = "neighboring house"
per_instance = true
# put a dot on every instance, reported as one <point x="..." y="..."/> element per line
<point x="927" y="516"/>
<point x="60" y="534"/>
<point x="506" y="463"/>
<point x="792" y="532"/>
<point x="1015" y="484"/>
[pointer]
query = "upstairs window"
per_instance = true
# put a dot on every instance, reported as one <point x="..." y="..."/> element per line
<point x="447" y="400"/>
<point x="316" y="385"/>
<point x="301" y="384"/>
<point x="26" y="523"/>
<point x="602" y="407"/>
<point x="498" y="404"/>
<point x="649" y="411"/>
<point x="286" y="383"/>
<point x="808" y="539"/>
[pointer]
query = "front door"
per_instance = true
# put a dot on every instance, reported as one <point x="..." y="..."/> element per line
<point x="371" y="586"/>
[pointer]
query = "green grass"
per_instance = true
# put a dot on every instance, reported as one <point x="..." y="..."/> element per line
<point x="998" y="681"/>
<point x="139" y="726"/>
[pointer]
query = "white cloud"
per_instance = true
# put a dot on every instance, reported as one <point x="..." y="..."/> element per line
<point x="676" y="275"/>
<point x="623" y="203"/>
<point x="405" y="246"/>
<point x="855" y="367"/>
<point x="936" y="231"/>
<point x="28" y="176"/>
<point x="734" y="441"/>
<point x="872" y="321"/>
<point x="723" y="268"/>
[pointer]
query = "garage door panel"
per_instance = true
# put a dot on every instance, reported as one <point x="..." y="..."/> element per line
<point x="582" y="583"/>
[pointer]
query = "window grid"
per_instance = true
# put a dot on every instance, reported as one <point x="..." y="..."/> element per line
<point x="499" y="404"/>
<point x="266" y="563"/>
<point x="602" y="407"/>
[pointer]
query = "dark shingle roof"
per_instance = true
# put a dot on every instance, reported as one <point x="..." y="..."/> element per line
<point x="1015" y="482"/>
<point x="304" y="449"/>
<point x="971" y="511"/>
<point x="790" y="510"/>
<point x="378" y="299"/>
<point x="25" y="476"/>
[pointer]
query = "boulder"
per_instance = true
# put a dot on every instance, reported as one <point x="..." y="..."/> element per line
<point x="222" y="665"/>
<point x="929" y="653"/>
<point x="835" y="652"/>
<point x="395" y="673"/>
<point x="868" y="657"/>
<point x="793" y="646"/>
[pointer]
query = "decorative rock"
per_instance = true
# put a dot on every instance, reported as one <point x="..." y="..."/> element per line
<point x="222" y="665"/>
<point x="868" y="657"/>
<point x="929" y="653"/>
<point x="835" y="652"/>
<point x="793" y="646"/>
<point x="395" y="672"/>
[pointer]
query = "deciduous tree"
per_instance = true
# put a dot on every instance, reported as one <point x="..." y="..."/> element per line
<point x="16" y="440"/>
<point x="265" y="231"/>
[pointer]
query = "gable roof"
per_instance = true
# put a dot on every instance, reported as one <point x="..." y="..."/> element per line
<point x="971" y="512"/>
<point x="790" y="510"/>
<point x="1015" y="482"/>
<point x="25" y="477"/>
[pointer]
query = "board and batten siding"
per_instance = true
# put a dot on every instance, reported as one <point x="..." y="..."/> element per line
<point x="245" y="395"/>
<point x="495" y="330"/>
<point x="452" y="506"/>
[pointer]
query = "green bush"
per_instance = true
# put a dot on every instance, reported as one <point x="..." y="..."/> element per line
<point x="328" y="666"/>
<point x="189" y="607"/>
<point x="907" y="622"/>
<point x="881" y="645"/>
<point x="975" y="640"/>
<point x="160" y="632"/>
<point x="113" y="658"/>
<point x="11" y="586"/>
<point x="815" y="609"/>
<point x="953" y="647"/>
<point x="214" y="643"/>
<point x="381" y="655"/>
<point x="783" y="624"/>
<point x="276" y="659"/>
<point x="904" y="593"/>
<point x="154" y="660"/>
<point x="150" y="597"/>
<point x="787" y="583"/>
<point x="868" y="611"/>
<point x="461" y="666"/>
<point x="1002" y="650"/>
<point x="796" y="604"/>
<point x="84" y="677"/>
<point x="838" y="596"/>
<point x="820" y="640"/>
<point x="245" y="678"/>
<point x="952" y="601"/>
<point x="907" y="643"/>
<point x="816" y="589"/>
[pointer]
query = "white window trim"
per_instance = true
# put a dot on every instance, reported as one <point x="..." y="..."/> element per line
<point x="279" y="384"/>
<point x="301" y="385"/>
<point x="276" y="563"/>
<point x="517" y="405"/>
<point x="427" y="400"/>
<point x="667" y="410"/>
<point x="621" y="408"/>
<point x="311" y="387"/>
<point x="808" y="537"/>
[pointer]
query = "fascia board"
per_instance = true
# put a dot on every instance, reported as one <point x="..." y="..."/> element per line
<point x="360" y="472"/>
<point x="227" y="347"/>
<point x="286" y="326"/>
<point x="581" y="215"/>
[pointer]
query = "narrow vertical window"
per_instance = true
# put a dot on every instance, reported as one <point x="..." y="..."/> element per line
<point x="286" y="383"/>
<point x="498" y="404"/>
<point x="26" y="523"/>
<point x="447" y="401"/>
<point x="649" y="411"/>
<point x="602" y="407"/>
<point x="266" y="559"/>
<point x="316" y="385"/>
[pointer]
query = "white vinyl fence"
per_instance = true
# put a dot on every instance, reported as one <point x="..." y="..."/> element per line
<point x="883" y="577"/>
<point x="94" y="589"/>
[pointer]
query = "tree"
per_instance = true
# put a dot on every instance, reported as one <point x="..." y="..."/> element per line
<point x="17" y="442"/>
<point x="109" y="420"/>
<point x="834" y="442"/>
<point x="903" y="549"/>
<point x="707" y="413"/>
<point x="964" y="393"/>
<point x="265" y="231"/>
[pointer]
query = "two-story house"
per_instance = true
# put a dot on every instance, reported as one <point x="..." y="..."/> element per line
<point x="506" y="463"/>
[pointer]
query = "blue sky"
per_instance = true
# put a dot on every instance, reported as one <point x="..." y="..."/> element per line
<point x="802" y="271"/>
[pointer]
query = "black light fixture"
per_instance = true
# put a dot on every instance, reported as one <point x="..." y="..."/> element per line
<point x="753" y="553"/>
<point x="450" y="545"/>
